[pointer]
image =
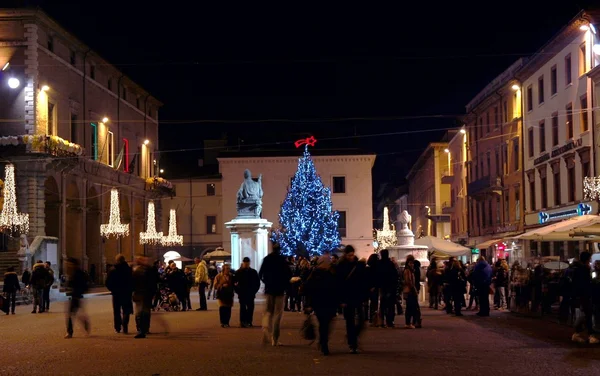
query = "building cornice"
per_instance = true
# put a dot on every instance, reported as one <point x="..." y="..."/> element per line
<point x="594" y="74"/>
<point x="423" y="156"/>
<point x="38" y="16"/>
<point x="497" y="84"/>
<point x="331" y="159"/>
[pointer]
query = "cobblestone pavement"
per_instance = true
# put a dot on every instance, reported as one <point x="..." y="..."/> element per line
<point x="196" y="345"/>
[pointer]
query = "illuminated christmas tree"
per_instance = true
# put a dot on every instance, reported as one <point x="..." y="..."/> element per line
<point x="308" y="223"/>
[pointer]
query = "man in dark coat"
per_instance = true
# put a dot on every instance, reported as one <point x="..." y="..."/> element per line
<point x="482" y="278"/>
<point x="582" y="298"/>
<point x="246" y="284"/>
<point x="48" y="286"/>
<point x="119" y="283"/>
<point x="39" y="279"/>
<point x="353" y="292"/>
<point x="77" y="285"/>
<point x="388" y="277"/>
<point x="11" y="286"/>
<point x="275" y="273"/>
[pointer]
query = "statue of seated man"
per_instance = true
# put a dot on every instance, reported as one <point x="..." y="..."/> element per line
<point x="249" y="197"/>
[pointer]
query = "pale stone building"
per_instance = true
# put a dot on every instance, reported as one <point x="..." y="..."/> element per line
<point x="74" y="127"/>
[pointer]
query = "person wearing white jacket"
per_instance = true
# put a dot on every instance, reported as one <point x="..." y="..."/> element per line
<point x="202" y="281"/>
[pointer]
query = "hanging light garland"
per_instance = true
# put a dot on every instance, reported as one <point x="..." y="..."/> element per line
<point x="114" y="227"/>
<point x="591" y="187"/>
<point x="172" y="238"/>
<point x="151" y="236"/>
<point x="10" y="219"/>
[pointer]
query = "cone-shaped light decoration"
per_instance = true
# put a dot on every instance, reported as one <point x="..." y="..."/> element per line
<point x="10" y="219"/>
<point x="114" y="227"/>
<point x="172" y="238"/>
<point x="151" y="236"/>
<point x="386" y="237"/>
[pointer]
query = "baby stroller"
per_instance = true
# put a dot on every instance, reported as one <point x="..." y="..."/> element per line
<point x="167" y="300"/>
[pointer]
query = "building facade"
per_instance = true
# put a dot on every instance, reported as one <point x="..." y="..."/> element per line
<point x="558" y="131"/>
<point x="349" y="177"/>
<point x="428" y="194"/>
<point x="494" y="167"/>
<point x="74" y="127"/>
<point x="199" y="206"/>
<point x="458" y="208"/>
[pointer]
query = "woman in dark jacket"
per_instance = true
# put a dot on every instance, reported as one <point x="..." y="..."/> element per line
<point x="11" y="286"/>
<point x="434" y="280"/>
<point x="322" y="288"/>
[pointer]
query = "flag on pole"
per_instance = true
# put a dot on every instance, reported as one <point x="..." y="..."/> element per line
<point x="119" y="159"/>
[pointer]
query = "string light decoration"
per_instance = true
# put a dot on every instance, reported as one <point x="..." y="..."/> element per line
<point x="114" y="227"/>
<point x="10" y="219"/>
<point x="591" y="187"/>
<point x="172" y="238"/>
<point x="151" y="236"/>
<point x="386" y="237"/>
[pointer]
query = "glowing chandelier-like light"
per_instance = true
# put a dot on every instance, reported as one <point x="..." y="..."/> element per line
<point x="10" y="219"/>
<point x="151" y="236"/>
<point x="172" y="239"/>
<point x="591" y="187"/>
<point x="114" y="227"/>
<point x="386" y="237"/>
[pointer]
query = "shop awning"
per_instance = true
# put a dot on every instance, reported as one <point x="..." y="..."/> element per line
<point x="443" y="246"/>
<point x="487" y="244"/>
<point x="561" y="231"/>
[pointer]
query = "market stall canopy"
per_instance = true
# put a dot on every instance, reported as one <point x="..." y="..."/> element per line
<point x="183" y="258"/>
<point x="556" y="265"/>
<point x="440" y="247"/>
<point x="561" y="231"/>
<point x="489" y="243"/>
<point x="219" y="253"/>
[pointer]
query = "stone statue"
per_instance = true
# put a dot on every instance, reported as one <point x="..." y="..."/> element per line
<point x="24" y="245"/>
<point x="405" y="220"/>
<point x="249" y="197"/>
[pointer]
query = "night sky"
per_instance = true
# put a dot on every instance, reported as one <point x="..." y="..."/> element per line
<point x="408" y="70"/>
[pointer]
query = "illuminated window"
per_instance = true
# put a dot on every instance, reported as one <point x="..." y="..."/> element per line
<point x="582" y="59"/>
<point x="211" y="224"/>
<point x="110" y="138"/>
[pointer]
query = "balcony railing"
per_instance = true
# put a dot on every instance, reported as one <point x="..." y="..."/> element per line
<point x="160" y="186"/>
<point x="447" y="177"/>
<point x="487" y="184"/>
<point x="47" y="144"/>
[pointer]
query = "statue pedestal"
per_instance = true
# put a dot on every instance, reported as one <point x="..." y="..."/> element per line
<point x="249" y="238"/>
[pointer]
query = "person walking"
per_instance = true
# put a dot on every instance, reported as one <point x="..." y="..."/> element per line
<point x="457" y="283"/>
<point x="39" y="280"/>
<point x="77" y="285"/>
<point x="176" y="282"/>
<point x="388" y="277"/>
<point x="48" y="286"/>
<point x="202" y="282"/>
<point x="321" y="287"/>
<point x="225" y="293"/>
<point x="144" y="288"/>
<point x="582" y="299"/>
<point x="11" y="286"/>
<point x="351" y="279"/>
<point x="411" y="294"/>
<point x="247" y="285"/>
<point x="434" y="276"/>
<point x="120" y="283"/>
<point x="482" y="279"/>
<point x="372" y="280"/>
<point x="189" y="282"/>
<point x="212" y="274"/>
<point x="275" y="274"/>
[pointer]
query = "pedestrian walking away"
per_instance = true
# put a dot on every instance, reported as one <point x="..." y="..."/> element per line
<point x="353" y="290"/>
<point x="11" y="286"/>
<point x="39" y="280"/>
<point x="77" y="285"/>
<point x="247" y="285"/>
<point x="120" y="283"/>
<point x="225" y="293"/>
<point x="275" y="274"/>
<point x="145" y="278"/>
<point x="48" y="286"/>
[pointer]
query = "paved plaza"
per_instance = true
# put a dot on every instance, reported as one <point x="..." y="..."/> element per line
<point x="33" y="344"/>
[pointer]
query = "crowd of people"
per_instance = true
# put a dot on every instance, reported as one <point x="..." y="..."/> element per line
<point x="324" y="287"/>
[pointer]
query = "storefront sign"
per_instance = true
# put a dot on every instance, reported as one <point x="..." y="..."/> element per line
<point x="572" y="144"/>
<point x="509" y="228"/>
<point x="571" y="211"/>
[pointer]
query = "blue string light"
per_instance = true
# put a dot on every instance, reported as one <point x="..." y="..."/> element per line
<point x="308" y="223"/>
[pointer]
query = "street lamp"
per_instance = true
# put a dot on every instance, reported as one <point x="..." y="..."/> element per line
<point x="162" y="171"/>
<point x="515" y="87"/>
<point x="146" y="142"/>
<point x="45" y="88"/>
<point x="13" y="83"/>
<point x="105" y="120"/>
<point x="463" y="131"/>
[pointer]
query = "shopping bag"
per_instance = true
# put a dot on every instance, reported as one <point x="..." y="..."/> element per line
<point x="308" y="331"/>
<point x="3" y="304"/>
